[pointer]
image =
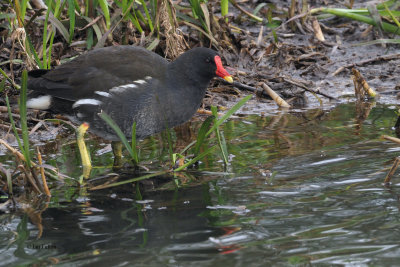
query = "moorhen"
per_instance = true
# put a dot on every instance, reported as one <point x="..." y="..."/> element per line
<point x="130" y="84"/>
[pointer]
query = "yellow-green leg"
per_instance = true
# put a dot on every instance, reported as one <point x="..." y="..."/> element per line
<point x="117" y="151"/>
<point x="85" y="157"/>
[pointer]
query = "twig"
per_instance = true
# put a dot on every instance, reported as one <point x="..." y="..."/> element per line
<point x="389" y="92"/>
<point x="235" y="4"/>
<point x="9" y="127"/>
<point x="391" y="138"/>
<point x="384" y="58"/>
<point x="242" y="86"/>
<point x="45" y="187"/>
<point x="288" y="80"/>
<point x="30" y="179"/>
<point x="279" y="100"/>
<point x="37" y="126"/>
<point x="389" y="176"/>
<point x="259" y="92"/>
<point x="14" y="151"/>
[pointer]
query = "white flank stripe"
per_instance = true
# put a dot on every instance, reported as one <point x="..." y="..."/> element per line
<point x="122" y="88"/>
<point x="102" y="93"/>
<point x="147" y="78"/>
<point x="41" y="102"/>
<point x="87" y="101"/>
<point x="140" y="81"/>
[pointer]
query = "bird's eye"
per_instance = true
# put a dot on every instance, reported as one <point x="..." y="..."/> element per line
<point x="208" y="60"/>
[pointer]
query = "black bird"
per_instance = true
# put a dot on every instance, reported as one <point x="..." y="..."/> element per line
<point x="130" y="84"/>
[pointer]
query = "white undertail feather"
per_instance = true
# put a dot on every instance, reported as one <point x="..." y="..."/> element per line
<point x="140" y="81"/>
<point x="122" y="88"/>
<point x="86" y="101"/>
<point x="41" y="102"/>
<point x="102" y="93"/>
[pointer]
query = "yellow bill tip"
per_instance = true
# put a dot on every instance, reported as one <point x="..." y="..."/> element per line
<point x="228" y="79"/>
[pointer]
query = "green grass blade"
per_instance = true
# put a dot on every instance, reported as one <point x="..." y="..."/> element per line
<point x="133" y="144"/>
<point x="23" y="9"/>
<point x="106" y="12"/>
<point x="365" y="11"/>
<point x="9" y="182"/>
<point x="50" y="48"/>
<point x="118" y="131"/>
<point x="60" y="27"/>
<point x="224" y="7"/>
<point x="258" y="8"/>
<point x="187" y="147"/>
<point x="201" y="135"/>
<point x="2" y="85"/>
<point x="195" y="159"/>
<point x="222" y="145"/>
<point x="170" y="145"/>
<point x="220" y="137"/>
<point x="9" y="79"/>
<point x="95" y="27"/>
<point x="195" y="5"/>
<point x="140" y="16"/>
<point x="379" y="41"/>
<point x="229" y="113"/>
<point x="12" y="61"/>
<point x="57" y="9"/>
<point x="389" y="3"/>
<point x="71" y="15"/>
<point x="13" y="125"/>
<point x="153" y="44"/>
<point x="206" y="17"/>
<point x="22" y="113"/>
<point x="392" y="15"/>
<point x="44" y="63"/>
<point x="271" y="25"/>
<point x="89" y="38"/>
<point x="187" y="18"/>
<point x="136" y="22"/>
<point x="127" y="14"/>
<point x="149" y="20"/>
<point x="209" y="36"/>
<point x="144" y="177"/>
<point x="387" y="27"/>
<point x="35" y="55"/>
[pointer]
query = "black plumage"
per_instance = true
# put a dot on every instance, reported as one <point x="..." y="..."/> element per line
<point x="130" y="84"/>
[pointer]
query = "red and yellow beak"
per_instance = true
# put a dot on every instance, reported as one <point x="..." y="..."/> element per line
<point x="221" y="72"/>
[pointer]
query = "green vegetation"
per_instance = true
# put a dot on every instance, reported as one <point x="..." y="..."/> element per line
<point x="362" y="16"/>
<point x="205" y="131"/>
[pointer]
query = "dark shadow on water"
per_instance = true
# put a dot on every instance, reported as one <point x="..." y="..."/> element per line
<point x="301" y="188"/>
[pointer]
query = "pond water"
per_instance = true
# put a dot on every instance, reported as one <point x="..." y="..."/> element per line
<point x="301" y="188"/>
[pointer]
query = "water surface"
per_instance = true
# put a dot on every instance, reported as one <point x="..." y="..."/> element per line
<point x="302" y="187"/>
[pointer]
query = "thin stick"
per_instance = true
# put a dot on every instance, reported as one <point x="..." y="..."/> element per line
<point x="389" y="176"/>
<point x="264" y="94"/>
<point x="380" y="58"/>
<point x="279" y="100"/>
<point x="14" y="151"/>
<point x="391" y="138"/>
<point x="9" y="127"/>
<point x="46" y="188"/>
<point x="235" y="4"/>
<point x="30" y="179"/>
<point x="288" y="80"/>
